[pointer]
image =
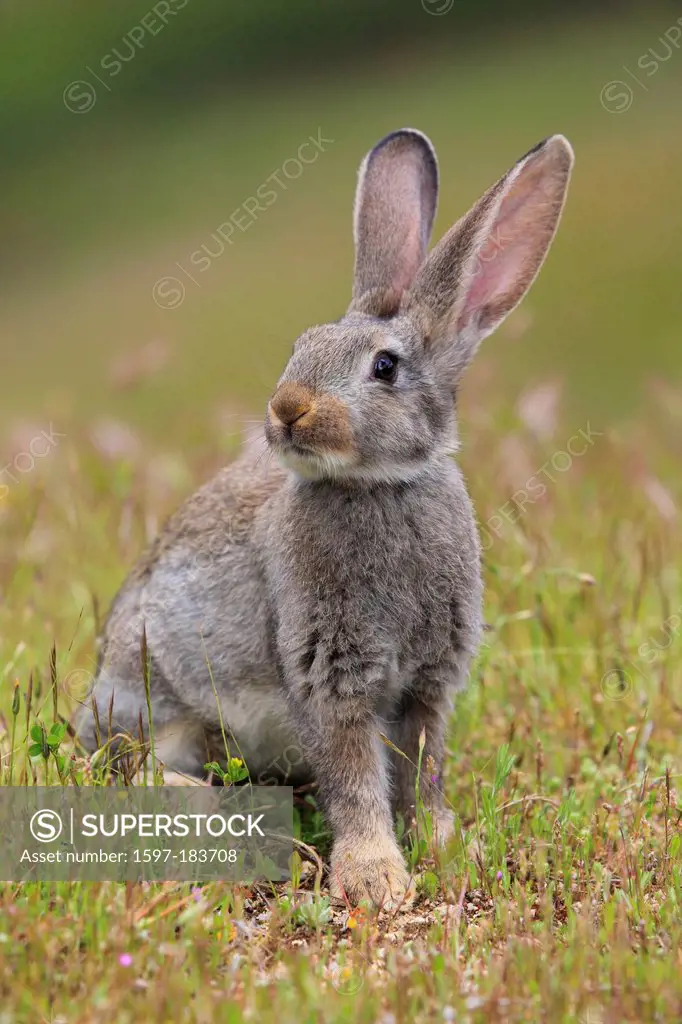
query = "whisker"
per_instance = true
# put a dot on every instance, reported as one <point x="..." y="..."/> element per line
<point x="264" y="458"/>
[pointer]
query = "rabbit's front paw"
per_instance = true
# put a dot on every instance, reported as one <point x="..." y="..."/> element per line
<point x="374" y="871"/>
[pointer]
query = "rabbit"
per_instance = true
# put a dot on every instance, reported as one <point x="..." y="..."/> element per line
<point x="309" y="607"/>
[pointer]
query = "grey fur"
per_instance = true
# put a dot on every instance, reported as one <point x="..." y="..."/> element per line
<point x="308" y="605"/>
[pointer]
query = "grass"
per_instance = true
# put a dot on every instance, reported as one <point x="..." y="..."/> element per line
<point x="560" y="898"/>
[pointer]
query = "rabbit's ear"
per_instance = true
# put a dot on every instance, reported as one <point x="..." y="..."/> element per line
<point x="486" y="263"/>
<point x="395" y="204"/>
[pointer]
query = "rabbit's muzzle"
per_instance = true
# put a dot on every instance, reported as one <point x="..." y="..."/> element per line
<point x="301" y="421"/>
<point x="290" y="403"/>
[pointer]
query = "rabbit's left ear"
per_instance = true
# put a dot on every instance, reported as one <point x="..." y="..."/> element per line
<point x="395" y="204"/>
<point x="485" y="264"/>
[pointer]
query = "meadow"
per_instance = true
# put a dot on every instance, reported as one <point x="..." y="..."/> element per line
<point x="560" y="897"/>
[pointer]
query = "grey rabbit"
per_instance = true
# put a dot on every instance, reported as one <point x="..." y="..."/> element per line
<point x="312" y="604"/>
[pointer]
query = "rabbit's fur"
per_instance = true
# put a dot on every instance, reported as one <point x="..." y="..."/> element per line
<point x="307" y="605"/>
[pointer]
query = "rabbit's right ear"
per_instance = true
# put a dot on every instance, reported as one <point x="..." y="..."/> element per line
<point x="395" y="204"/>
<point x="485" y="264"/>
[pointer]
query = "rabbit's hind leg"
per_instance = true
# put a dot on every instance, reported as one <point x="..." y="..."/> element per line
<point x="180" y="748"/>
<point x="114" y="719"/>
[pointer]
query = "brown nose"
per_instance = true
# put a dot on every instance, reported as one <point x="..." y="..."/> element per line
<point x="290" y="403"/>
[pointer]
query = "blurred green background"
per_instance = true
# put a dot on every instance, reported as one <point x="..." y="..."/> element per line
<point x="131" y="131"/>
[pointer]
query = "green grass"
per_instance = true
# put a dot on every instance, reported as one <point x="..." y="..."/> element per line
<point x="560" y="898"/>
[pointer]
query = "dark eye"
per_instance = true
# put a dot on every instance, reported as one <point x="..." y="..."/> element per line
<point x="385" y="367"/>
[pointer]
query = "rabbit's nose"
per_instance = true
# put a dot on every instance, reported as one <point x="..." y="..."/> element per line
<point x="290" y="403"/>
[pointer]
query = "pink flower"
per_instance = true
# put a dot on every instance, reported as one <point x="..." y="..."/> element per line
<point x="125" y="960"/>
<point x="196" y="893"/>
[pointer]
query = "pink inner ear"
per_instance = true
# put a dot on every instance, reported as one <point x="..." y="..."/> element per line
<point x="411" y="255"/>
<point x="410" y="238"/>
<point x="511" y="253"/>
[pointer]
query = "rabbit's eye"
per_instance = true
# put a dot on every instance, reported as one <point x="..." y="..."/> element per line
<point x="385" y="367"/>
